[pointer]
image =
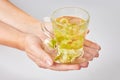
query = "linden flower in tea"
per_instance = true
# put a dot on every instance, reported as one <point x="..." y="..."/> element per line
<point x="69" y="34"/>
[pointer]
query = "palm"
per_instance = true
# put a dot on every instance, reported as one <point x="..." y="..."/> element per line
<point x="34" y="49"/>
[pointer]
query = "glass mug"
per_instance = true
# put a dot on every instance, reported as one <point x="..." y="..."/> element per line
<point x="69" y="25"/>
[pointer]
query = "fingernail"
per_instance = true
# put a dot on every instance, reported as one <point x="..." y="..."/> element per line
<point x="97" y="55"/>
<point x="99" y="48"/>
<point x="49" y="62"/>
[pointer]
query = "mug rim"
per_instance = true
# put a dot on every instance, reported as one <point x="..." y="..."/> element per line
<point x="51" y="17"/>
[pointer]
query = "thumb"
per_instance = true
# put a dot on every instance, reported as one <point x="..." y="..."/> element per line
<point x="34" y="46"/>
<point x="45" y="58"/>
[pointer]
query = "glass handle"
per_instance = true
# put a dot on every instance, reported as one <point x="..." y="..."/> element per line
<point x="48" y="31"/>
<point x="47" y="27"/>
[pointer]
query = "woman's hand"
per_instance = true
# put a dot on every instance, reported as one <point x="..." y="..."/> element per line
<point x="91" y="50"/>
<point x="34" y="50"/>
<point x="33" y="46"/>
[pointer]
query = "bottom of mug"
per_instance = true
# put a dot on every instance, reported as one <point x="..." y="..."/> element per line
<point x="66" y="56"/>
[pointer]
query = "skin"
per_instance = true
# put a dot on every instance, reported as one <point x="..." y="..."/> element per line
<point x="24" y="32"/>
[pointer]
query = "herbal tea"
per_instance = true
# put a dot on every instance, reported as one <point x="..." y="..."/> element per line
<point x="69" y="34"/>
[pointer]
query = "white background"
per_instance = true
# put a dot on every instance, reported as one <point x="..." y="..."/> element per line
<point x="104" y="29"/>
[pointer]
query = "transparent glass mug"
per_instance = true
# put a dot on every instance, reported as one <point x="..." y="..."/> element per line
<point x="65" y="42"/>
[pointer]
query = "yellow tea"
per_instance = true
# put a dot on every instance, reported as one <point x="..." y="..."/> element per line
<point x="69" y="34"/>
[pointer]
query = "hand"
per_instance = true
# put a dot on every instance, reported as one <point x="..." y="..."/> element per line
<point x="91" y="49"/>
<point x="34" y="50"/>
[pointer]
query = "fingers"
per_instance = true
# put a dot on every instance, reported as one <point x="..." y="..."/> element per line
<point x="65" y="67"/>
<point x="84" y="64"/>
<point x="36" y="51"/>
<point x="91" y="44"/>
<point x="55" y="66"/>
<point x="88" y="57"/>
<point x="46" y="58"/>
<point x="91" y="51"/>
<point x="37" y="61"/>
<point x="83" y="61"/>
<point x="58" y="67"/>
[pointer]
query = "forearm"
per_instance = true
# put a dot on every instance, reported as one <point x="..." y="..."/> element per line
<point x="17" y="18"/>
<point x="11" y="37"/>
